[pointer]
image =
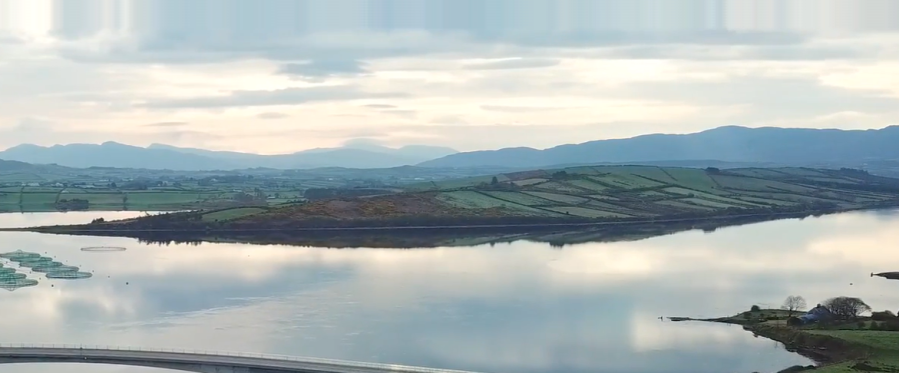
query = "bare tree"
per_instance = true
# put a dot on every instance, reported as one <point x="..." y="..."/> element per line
<point x="846" y="307"/>
<point x="793" y="303"/>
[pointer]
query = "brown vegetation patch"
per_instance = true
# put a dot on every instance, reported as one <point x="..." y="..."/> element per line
<point x="378" y="207"/>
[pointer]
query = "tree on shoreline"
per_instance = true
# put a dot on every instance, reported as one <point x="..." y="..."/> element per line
<point x="847" y="307"/>
<point x="793" y="304"/>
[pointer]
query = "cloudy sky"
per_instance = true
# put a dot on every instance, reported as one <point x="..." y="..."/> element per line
<point x="274" y="76"/>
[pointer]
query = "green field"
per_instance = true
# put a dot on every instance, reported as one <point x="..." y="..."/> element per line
<point x="520" y="198"/>
<point x="590" y="191"/>
<point x="555" y="186"/>
<point x="231" y="214"/>
<point x="587" y="213"/>
<point x="626" y="181"/>
<point x="567" y="199"/>
<point x="588" y="185"/>
<point x="657" y="191"/>
<point x="46" y="198"/>
<point x="476" y="200"/>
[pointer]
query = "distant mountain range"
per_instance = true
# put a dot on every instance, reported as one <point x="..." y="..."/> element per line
<point x="784" y="146"/>
<point x="731" y="144"/>
<point x="160" y="156"/>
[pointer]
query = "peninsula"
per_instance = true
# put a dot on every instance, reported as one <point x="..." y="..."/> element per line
<point x="570" y="197"/>
<point x="842" y="334"/>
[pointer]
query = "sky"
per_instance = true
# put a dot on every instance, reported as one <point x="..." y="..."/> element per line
<point x="278" y="76"/>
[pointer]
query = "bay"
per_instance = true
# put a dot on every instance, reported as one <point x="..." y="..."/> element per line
<point x="509" y="307"/>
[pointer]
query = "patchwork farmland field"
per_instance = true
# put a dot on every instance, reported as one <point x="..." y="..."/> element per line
<point x="582" y="194"/>
<point x="617" y="192"/>
<point x="632" y="191"/>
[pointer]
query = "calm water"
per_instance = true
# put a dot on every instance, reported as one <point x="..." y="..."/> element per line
<point x="521" y="307"/>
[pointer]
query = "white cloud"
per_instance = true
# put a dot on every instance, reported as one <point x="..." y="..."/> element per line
<point x="480" y="77"/>
<point x="286" y="96"/>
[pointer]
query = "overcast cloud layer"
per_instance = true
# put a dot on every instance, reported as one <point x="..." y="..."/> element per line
<point x="284" y="75"/>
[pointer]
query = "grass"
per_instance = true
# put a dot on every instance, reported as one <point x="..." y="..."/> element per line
<point x="555" y="186"/>
<point x="710" y="196"/>
<point x="603" y="197"/>
<point x="653" y="194"/>
<point x="527" y="182"/>
<point x="851" y="348"/>
<point x="588" y="185"/>
<point x="108" y="199"/>
<point x="693" y="179"/>
<point x="759" y="185"/>
<point x="877" y="339"/>
<point x="231" y="214"/>
<point x="766" y="201"/>
<point x="587" y="213"/>
<point x="657" y="191"/>
<point x="650" y="172"/>
<point x="711" y="203"/>
<point x="598" y="192"/>
<point x="520" y="198"/>
<point x="475" y="200"/>
<point x="38" y="198"/>
<point x="561" y="198"/>
<point x="684" y="206"/>
<point x="626" y="181"/>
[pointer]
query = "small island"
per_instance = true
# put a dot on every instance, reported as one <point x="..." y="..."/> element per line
<point x="542" y="199"/>
<point x="841" y="334"/>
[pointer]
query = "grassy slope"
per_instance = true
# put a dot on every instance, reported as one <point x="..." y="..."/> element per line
<point x="601" y="192"/>
<point x="645" y="191"/>
<point x="610" y="192"/>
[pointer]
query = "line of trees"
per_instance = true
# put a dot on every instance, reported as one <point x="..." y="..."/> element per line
<point x="843" y="308"/>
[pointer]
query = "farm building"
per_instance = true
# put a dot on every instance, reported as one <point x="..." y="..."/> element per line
<point x="819" y="313"/>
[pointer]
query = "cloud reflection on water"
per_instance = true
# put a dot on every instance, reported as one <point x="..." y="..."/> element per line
<point x="508" y="307"/>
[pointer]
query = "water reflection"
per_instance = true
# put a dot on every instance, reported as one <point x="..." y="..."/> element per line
<point x="522" y="306"/>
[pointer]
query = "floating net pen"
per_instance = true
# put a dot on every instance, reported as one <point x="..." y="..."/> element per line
<point x="32" y="262"/>
<point x="18" y="255"/>
<point x="14" y="284"/>
<point x="57" y="269"/>
<point x="69" y="275"/>
<point x="44" y="266"/>
<point x="11" y="276"/>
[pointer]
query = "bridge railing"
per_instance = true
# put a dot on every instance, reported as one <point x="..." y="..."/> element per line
<point x="302" y="359"/>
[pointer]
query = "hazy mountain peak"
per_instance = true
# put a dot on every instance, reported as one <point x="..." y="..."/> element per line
<point x="727" y="143"/>
<point x="356" y="154"/>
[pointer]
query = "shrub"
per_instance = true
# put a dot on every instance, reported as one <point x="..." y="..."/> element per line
<point x="882" y="316"/>
<point x="889" y="326"/>
<point x="861" y="324"/>
<point x="755" y="308"/>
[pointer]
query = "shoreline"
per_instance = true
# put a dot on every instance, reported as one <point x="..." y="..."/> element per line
<point x="210" y="228"/>
<point x="825" y="350"/>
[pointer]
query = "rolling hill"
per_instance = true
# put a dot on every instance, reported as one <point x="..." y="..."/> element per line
<point x="159" y="156"/>
<point x="582" y="195"/>
<point x="784" y="146"/>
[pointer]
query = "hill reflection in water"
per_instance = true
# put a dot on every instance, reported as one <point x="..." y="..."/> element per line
<point x="428" y="238"/>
